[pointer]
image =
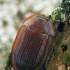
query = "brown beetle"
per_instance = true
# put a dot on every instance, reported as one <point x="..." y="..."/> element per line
<point x="32" y="44"/>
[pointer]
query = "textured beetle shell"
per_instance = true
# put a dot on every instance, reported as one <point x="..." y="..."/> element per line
<point x="32" y="44"/>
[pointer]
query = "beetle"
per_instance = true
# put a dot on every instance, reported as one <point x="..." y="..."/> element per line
<point x="33" y="43"/>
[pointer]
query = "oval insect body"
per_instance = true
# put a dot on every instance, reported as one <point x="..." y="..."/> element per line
<point x="32" y="44"/>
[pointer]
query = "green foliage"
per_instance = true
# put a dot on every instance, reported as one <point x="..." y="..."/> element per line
<point x="61" y="12"/>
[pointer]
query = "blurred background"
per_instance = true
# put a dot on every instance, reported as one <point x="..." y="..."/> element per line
<point x="12" y="13"/>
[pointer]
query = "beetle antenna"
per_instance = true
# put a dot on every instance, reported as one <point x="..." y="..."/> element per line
<point x="36" y="13"/>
